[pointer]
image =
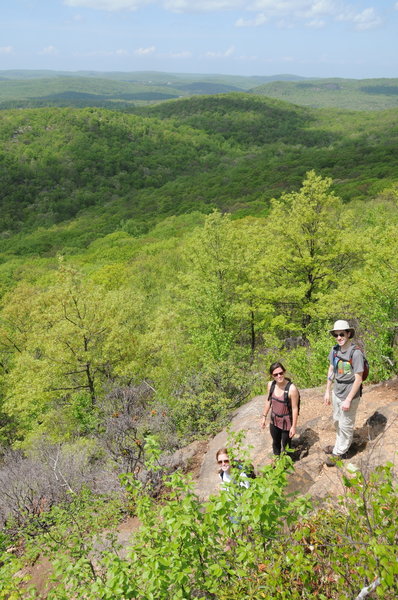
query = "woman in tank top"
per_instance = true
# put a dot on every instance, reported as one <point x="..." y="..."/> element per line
<point x="282" y="401"/>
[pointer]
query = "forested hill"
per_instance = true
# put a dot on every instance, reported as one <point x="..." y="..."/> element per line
<point x="56" y="162"/>
<point x="361" y="94"/>
<point x="123" y="90"/>
<point x="232" y="151"/>
<point x="250" y="121"/>
<point x="116" y="90"/>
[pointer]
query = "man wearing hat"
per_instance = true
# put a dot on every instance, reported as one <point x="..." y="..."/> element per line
<point x="346" y="371"/>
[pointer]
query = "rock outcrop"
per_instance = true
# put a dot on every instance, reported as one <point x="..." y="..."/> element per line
<point x="374" y="440"/>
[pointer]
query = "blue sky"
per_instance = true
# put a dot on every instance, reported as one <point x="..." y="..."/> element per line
<point x="323" y="38"/>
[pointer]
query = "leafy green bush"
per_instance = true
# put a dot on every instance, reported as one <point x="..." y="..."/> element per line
<point x="337" y="550"/>
<point x="256" y="542"/>
<point x="203" y="403"/>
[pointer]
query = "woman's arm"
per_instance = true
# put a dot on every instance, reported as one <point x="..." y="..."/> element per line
<point x="267" y="406"/>
<point x="294" y="398"/>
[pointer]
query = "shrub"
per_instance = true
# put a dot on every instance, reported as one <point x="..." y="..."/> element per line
<point x="203" y="403"/>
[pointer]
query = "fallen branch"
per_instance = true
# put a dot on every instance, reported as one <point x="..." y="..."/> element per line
<point x="368" y="589"/>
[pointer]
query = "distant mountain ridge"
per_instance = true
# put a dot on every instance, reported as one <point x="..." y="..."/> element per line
<point x="122" y="90"/>
<point x="159" y="77"/>
<point x="116" y="90"/>
<point x="353" y="94"/>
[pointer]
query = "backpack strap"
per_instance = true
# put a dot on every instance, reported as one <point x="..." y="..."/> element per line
<point x="287" y="399"/>
<point x="286" y="392"/>
<point x="271" y="390"/>
<point x="364" y="363"/>
<point x="336" y="357"/>
<point x="353" y="350"/>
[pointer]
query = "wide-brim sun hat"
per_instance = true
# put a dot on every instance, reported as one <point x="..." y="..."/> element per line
<point x="342" y="325"/>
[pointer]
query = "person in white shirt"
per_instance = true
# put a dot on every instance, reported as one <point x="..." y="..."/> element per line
<point x="224" y="471"/>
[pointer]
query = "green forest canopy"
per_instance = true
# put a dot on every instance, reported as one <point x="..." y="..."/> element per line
<point x="232" y="152"/>
<point x="208" y="235"/>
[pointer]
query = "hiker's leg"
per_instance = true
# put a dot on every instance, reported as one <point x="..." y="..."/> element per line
<point x="276" y="435"/>
<point x="285" y="439"/>
<point x="346" y="428"/>
<point x="336" y="403"/>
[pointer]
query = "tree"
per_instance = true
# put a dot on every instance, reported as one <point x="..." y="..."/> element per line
<point x="207" y="289"/>
<point x="216" y="293"/>
<point x="81" y="340"/>
<point x="310" y="249"/>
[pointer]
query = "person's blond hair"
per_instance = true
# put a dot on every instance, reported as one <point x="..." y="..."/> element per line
<point x="221" y="451"/>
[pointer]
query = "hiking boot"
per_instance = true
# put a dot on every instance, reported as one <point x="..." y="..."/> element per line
<point x="333" y="459"/>
<point x="328" y="449"/>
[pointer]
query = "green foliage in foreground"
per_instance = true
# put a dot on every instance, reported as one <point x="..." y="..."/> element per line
<point x="242" y="543"/>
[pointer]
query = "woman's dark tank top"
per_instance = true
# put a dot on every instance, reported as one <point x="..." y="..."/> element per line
<point x="280" y="416"/>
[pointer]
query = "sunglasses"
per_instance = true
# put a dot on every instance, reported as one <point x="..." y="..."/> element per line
<point x="340" y="334"/>
<point x="277" y="374"/>
<point x="220" y="462"/>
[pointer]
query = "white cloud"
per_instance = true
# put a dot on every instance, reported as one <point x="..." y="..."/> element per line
<point x="367" y="19"/>
<point x="226" y="54"/>
<point x="75" y="20"/>
<point x="6" y="50"/>
<point x="322" y="7"/>
<point x="180" y="6"/>
<point x="49" y="51"/>
<point x="201" y="5"/>
<point x="258" y="20"/>
<point x="109" y="4"/>
<point x="287" y="13"/>
<point x="145" y="51"/>
<point x="102" y="53"/>
<point x="313" y="13"/>
<point x="316" y="24"/>
<point x="182" y="54"/>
